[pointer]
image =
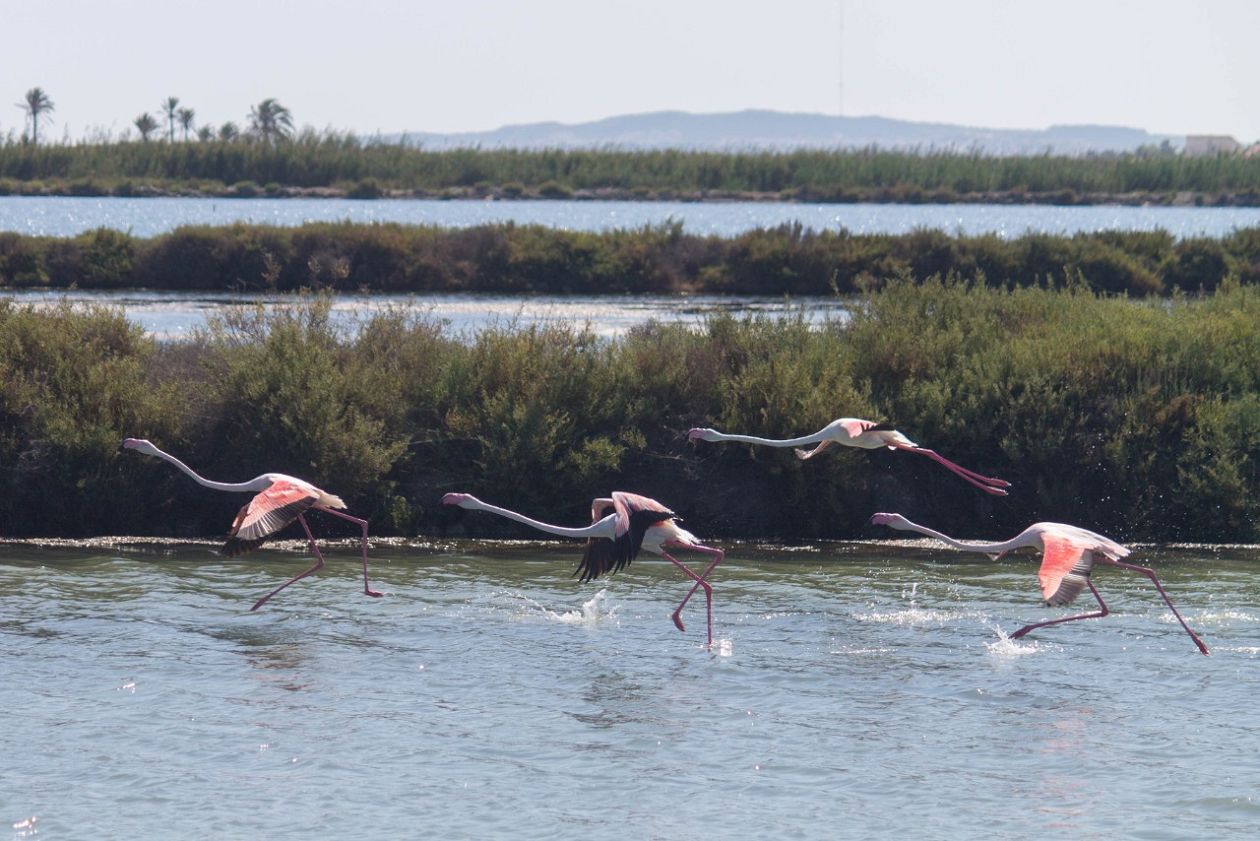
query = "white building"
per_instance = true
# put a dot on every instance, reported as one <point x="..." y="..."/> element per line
<point x="1211" y="144"/>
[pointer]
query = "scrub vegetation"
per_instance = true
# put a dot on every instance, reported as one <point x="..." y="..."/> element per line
<point x="1137" y="417"/>
<point x="509" y="258"/>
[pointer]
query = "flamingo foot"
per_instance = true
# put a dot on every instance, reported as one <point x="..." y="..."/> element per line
<point x="1019" y="633"/>
<point x="678" y="623"/>
<point x="372" y="593"/>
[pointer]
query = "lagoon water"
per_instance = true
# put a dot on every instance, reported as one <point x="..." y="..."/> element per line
<point x="175" y="316"/>
<point x="66" y="216"/>
<point x="855" y="690"/>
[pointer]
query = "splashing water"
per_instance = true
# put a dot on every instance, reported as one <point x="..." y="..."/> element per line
<point x="593" y="611"/>
<point x="1006" y="647"/>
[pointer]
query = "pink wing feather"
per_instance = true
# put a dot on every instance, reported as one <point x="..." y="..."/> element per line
<point x="856" y="427"/>
<point x="267" y="513"/>
<point x="1065" y="568"/>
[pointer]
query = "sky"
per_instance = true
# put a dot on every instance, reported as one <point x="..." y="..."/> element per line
<point x="468" y="65"/>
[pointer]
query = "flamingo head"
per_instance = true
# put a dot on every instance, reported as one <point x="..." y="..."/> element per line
<point x="140" y="445"/>
<point x="462" y="500"/>
<point x="701" y="433"/>
<point x="893" y="521"/>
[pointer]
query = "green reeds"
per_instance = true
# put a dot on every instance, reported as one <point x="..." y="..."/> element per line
<point x="342" y="162"/>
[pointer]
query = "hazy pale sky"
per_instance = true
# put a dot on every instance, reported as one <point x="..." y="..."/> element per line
<point x="466" y="65"/>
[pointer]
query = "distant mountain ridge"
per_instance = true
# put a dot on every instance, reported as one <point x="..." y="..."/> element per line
<point x="780" y="131"/>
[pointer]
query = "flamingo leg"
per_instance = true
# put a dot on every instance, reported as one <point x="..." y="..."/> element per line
<point x="319" y="563"/>
<point x="363" y="524"/>
<point x="988" y="484"/>
<point x="1097" y="615"/>
<point x="1150" y="573"/>
<point x="700" y="582"/>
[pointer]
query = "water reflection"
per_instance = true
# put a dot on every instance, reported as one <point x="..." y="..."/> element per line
<point x="63" y="216"/>
<point x="175" y="316"/>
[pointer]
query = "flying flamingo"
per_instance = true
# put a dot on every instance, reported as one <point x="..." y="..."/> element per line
<point x="614" y="539"/>
<point x="1068" y="557"/>
<point x="280" y="500"/>
<point x="864" y="434"/>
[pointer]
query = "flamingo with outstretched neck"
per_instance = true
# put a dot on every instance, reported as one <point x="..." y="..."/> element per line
<point x="1068" y="557"/>
<point x="864" y="434"/>
<point x="279" y="500"/>
<point x="620" y="527"/>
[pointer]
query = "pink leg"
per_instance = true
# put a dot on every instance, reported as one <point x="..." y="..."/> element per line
<point x="1149" y="573"/>
<point x="988" y="484"/>
<point x="1097" y="615"/>
<point x="363" y="524"/>
<point x="319" y="562"/>
<point x="700" y="582"/>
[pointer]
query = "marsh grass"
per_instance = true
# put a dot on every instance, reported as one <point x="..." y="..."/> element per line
<point x="342" y="161"/>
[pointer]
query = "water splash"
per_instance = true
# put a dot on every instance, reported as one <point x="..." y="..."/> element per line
<point x="724" y="647"/>
<point x="1006" y="647"/>
<point x="1216" y="617"/>
<point x="25" y="828"/>
<point x="594" y="611"/>
<point x="917" y="616"/>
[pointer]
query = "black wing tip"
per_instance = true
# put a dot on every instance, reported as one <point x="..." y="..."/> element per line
<point x="235" y="547"/>
<point x="602" y="557"/>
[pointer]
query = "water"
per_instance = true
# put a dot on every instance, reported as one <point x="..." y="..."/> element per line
<point x="67" y="216"/>
<point x="176" y="315"/>
<point x="854" y="689"/>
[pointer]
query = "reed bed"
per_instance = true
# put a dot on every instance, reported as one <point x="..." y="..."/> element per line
<point x="366" y="168"/>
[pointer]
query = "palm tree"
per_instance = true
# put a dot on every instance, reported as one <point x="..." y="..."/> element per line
<point x="146" y="125"/>
<point x="169" y="105"/>
<point x="229" y="132"/>
<point x="270" y="120"/>
<point x="185" y="116"/>
<point x="205" y="134"/>
<point x="36" y="103"/>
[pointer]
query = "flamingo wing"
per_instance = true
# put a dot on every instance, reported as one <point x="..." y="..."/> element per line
<point x="856" y="427"/>
<point x="1065" y="568"/>
<point x="635" y="515"/>
<point x="267" y="513"/>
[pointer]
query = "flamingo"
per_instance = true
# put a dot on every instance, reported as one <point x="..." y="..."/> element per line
<point x="1068" y="557"/>
<point x="614" y="539"/>
<point x="864" y="434"/>
<point x="280" y="500"/>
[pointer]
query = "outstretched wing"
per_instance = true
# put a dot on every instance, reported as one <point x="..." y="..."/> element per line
<point x="266" y="514"/>
<point x="1065" y="568"/>
<point x="635" y="515"/>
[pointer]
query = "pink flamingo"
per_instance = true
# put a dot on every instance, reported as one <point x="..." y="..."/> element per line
<point x="614" y="539"/>
<point x="280" y="500"/>
<point x="864" y="434"/>
<point x="1068" y="557"/>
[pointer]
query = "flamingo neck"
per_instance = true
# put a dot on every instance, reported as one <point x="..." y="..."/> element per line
<point x="603" y="528"/>
<point x="984" y="547"/>
<point x="817" y="437"/>
<point x="259" y="483"/>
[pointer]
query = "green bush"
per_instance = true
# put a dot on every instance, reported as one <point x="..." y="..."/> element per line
<point x="1138" y="418"/>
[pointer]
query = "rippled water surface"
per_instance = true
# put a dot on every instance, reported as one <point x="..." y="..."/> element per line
<point x="855" y="690"/>
<point x="66" y="216"/>
<point x="176" y="316"/>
